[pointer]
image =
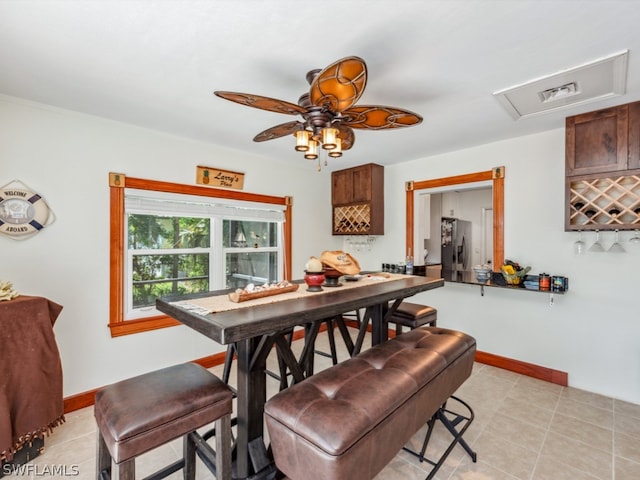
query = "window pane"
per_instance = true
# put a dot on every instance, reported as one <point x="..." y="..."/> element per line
<point x="155" y="232"/>
<point x="254" y="267"/>
<point x="239" y="233"/>
<point x="160" y="275"/>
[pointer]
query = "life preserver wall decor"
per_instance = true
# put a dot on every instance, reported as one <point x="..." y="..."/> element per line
<point x="22" y="211"/>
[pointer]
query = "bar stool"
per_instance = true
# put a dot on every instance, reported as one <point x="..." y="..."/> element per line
<point x="413" y="315"/>
<point x="141" y="413"/>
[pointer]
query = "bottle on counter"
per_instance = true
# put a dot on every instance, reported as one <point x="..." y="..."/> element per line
<point x="409" y="264"/>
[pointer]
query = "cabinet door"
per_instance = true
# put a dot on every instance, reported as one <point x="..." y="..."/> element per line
<point x="596" y="142"/>
<point x="342" y="187"/>
<point x="362" y="184"/>
<point x="634" y="136"/>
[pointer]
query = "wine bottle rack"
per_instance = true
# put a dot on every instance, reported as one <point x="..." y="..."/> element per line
<point x="604" y="203"/>
<point x="352" y="219"/>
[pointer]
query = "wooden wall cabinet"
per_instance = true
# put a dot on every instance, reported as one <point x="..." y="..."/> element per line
<point x="602" y="190"/>
<point x="357" y="198"/>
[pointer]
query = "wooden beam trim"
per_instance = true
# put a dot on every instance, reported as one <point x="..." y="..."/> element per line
<point x="160" y="186"/>
<point x="409" y="227"/>
<point x="498" y="223"/>
<point x="454" y="180"/>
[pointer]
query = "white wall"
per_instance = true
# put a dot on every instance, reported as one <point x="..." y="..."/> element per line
<point x="66" y="157"/>
<point x="593" y="331"/>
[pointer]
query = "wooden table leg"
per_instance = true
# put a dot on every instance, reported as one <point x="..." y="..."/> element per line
<point x="251" y="454"/>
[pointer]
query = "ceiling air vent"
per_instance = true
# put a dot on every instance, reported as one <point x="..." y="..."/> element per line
<point x="590" y="82"/>
<point x="558" y="93"/>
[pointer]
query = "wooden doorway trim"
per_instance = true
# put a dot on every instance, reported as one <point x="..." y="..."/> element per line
<point x="496" y="175"/>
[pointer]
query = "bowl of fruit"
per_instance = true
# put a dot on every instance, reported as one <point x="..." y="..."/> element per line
<point x="513" y="273"/>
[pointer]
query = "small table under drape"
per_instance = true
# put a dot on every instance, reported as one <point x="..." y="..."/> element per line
<point x="31" y="402"/>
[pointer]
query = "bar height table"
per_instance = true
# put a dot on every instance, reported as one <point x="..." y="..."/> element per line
<point x="254" y="330"/>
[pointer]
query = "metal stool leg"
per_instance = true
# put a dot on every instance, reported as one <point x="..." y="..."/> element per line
<point x="217" y="461"/>
<point x="223" y="448"/>
<point x="189" y="455"/>
<point x="103" y="459"/>
<point x="450" y="425"/>
<point x="125" y="470"/>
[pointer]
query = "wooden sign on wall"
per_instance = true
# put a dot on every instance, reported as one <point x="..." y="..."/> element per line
<point x="214" y="177"/>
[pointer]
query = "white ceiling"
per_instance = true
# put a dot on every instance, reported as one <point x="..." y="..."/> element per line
<point x="156" y="63"/>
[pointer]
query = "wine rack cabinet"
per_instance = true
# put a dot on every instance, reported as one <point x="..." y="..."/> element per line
<point x="603" y="203"/>
<point x="352" y="219"/>
<point x="357" y="199"/>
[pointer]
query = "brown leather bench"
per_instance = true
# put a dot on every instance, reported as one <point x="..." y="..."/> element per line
<point x="350" y="420"/>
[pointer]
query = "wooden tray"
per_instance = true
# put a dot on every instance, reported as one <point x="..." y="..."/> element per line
<point x="243" y="297"/>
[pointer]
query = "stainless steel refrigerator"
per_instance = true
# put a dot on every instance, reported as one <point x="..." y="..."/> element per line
<point x="455" y="246"/>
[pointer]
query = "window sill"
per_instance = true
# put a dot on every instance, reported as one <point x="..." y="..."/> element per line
<point x="142" y="325"/>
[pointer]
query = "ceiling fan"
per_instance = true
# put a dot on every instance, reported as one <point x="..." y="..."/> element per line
<point x="328" y="110"/>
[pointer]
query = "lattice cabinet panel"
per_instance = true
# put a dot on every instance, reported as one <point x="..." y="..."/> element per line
<point x="352" y="219"/>
<point x="605" y="203"/>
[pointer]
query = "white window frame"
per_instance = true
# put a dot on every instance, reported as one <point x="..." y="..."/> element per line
<point x="143" y="202"/>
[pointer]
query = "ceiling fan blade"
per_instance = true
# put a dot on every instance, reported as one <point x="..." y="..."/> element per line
<point x="340" y="85"/>
<point x="263" y="103"/>
<point x="278" y="131"/>
<point x="347" y="136"/>
<point x="377" y="117"/>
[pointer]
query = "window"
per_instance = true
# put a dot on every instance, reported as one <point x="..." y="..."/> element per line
<point x="170" y="239"/>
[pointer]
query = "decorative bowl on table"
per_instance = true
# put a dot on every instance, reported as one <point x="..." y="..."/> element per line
<point x="332" y="277"/>
<point x="483" y="272"/>
<point x="314" y="281"/>
<point x="314" y="275"/>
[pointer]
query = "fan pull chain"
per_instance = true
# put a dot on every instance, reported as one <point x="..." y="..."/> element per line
<point x="323" y="153"/>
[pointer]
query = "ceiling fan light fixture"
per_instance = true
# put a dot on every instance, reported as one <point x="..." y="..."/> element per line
<point x="302" y="140"/>
<point x="329" y="137"/>
<point x="328" y="110"/>
<point x="336" y="151"/>
<point x="312" y="153"/>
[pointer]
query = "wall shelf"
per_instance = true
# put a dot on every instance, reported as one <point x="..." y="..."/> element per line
<point x="469" y="278"/>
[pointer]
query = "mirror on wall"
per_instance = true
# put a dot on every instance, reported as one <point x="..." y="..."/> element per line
<point x="455" y="223"/>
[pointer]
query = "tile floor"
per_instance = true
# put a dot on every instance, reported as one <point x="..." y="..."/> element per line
<point x="524" y="429"/>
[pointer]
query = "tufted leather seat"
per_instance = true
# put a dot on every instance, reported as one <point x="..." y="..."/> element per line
<point x="141" y="413"/>
<point x="350" y="420"/>
<point x="413" y="315"/>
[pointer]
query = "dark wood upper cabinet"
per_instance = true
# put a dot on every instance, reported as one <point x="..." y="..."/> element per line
<point x="357" y="197"/>
<point x="603" y="141"/>
<point x="603" y="169"/>
<point x="342" y="187"/>
<point x="597" y="141"/>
